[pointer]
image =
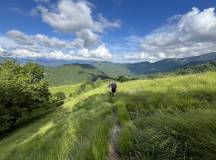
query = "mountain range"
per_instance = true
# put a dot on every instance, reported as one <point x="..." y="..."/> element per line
<point x="67" y="72"/>
<point x="166" y="65"/>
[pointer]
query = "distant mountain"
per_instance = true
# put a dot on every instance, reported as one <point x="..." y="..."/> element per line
<point x="52" y="62"/>
<point x="166" y="65"/>
<point x="169" y="64"/>
<point x="67" y="72"/>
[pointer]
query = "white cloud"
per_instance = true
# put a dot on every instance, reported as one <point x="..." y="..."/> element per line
<point x="24" y="53"/>
<point x="102" y="52"/>
<point x="7" y="42"/>
<point x="1" y="50"/>
<point x="76" y="17"/>
<point x="185" y="35"/>
<point x="71" y="16"/>
<point x="43" y="41"/>
<point x="105" y="23"/>
<point x="21" y="45"/>
<point x="89" y="37"/>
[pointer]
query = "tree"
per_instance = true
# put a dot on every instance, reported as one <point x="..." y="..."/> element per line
<point x="23" y="93"/>
<point x="60" y="95"/>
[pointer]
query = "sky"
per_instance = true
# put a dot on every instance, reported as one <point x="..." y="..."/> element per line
<point x="107" y="30"/>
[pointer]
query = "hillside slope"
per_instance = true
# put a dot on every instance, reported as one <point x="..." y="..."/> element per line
<point x="144" y="68"/>
<point x="167" y="118"/>
<point x="112" y="69"/>
<point x="73" y="73"/>
<point x="167" y="65"/>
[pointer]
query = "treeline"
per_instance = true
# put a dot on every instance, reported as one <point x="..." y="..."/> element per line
<point x="24" y="94"/>
<point x="211" y="66"/>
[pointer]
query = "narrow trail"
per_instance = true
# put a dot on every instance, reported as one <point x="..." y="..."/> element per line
<point x="113" y="148"/>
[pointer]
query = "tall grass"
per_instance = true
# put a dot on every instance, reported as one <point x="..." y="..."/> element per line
<point x="170" y="118"/>
<point x="78" y="130"/>
<point x="161" y="119"/>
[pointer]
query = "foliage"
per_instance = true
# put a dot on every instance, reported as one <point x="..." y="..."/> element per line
<point x="211" y="66"/>
<point x="60" y="95"/>
<point x="59" y="98"/>
<point x="23" y="93"/>
<point x="124" y="78"/>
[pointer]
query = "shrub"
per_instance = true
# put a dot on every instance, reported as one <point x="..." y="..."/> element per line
<point x="123" y="78"/>
<point x="60" y="95"/>
<point x="23" y="93"/>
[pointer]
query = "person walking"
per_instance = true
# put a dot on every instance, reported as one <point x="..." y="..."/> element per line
<point x="113" y="87"/>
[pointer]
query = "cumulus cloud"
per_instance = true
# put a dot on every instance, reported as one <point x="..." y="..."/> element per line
<point x="1" y="50"/>
<point x="72" y="16"/>
<point x="191" y="34"/>
<point x="24" y="53"/>
<point x="7" y="42"/>
<point x="89" y="37"/>
<point x="102" y="52"/>
<point x="43" y="41"/>
<point x="76" y="17"/>
<point x="21" y="45"/>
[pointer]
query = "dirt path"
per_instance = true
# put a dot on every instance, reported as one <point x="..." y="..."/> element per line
<point x="113" y="148"/>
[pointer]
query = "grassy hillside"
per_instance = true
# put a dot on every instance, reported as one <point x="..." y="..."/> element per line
<point x="161" y="119"/>
<point x="113" y="69"/>
<point x="72" y="74"/>
<point x="66" y="89"/>
<point x="168" y="118"/>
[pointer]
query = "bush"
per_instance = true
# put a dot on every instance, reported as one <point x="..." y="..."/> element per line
<point x="60" y="95"/>
<point x="124" y="78"/>
<point x="23" y="93"/>
<point x="59" y="98"/>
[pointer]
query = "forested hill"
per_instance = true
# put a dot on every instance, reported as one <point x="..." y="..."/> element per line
<point x="73" y="73"/>
<point x="166" y="65"/>
<point x="91" y="71"/>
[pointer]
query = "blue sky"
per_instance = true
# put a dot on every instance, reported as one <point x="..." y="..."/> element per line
<point x="115" y="30"/>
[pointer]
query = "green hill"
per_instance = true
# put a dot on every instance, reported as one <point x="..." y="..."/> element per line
<point x="145" y="68"/>
<point x="91" y="71"/>
<point x="72" y="74"/>
<point x="161" y="119"/>
<point x="113" y="69"/>
<point x="211" y="66"/>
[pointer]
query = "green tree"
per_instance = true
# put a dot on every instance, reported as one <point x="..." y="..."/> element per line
<point x="24" y="93"/>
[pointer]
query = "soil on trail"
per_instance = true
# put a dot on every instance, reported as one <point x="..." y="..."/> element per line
<point x="113" y="148"/>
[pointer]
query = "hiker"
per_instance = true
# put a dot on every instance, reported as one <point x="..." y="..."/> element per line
<point x="113" y="87"/>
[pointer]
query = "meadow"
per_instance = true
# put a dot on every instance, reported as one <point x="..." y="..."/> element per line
<point x="168" y="118"/>
<point x="161" y="119"/>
